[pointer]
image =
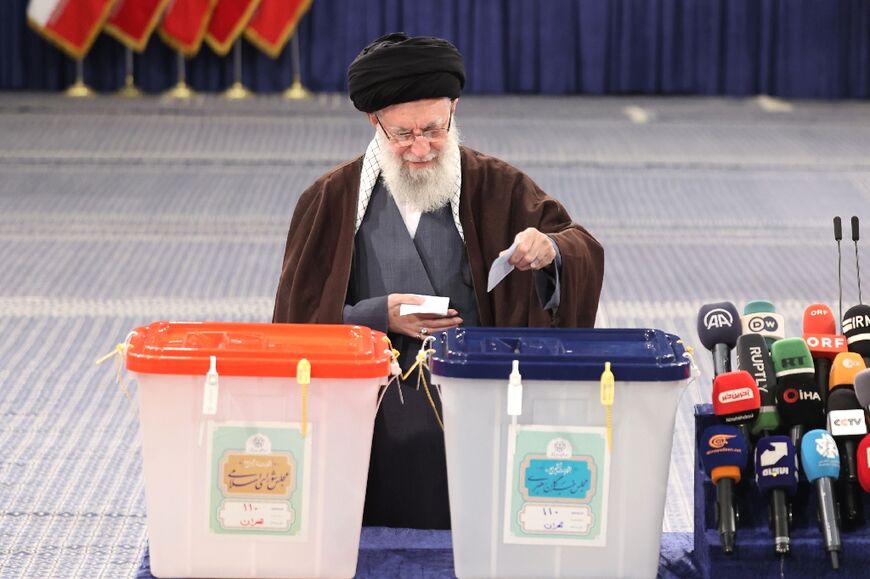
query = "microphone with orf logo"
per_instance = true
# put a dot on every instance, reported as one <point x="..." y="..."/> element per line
<point x="723" y="455"/>
<point x="847" y="424"/>
<point x="718" y="330"/>
<point x="820" y="334"/>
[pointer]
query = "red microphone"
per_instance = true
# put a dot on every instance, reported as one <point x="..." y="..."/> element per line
<point x="736" y="400"/>
<point x="820" y="334"/>
<point x="863" y="460"/>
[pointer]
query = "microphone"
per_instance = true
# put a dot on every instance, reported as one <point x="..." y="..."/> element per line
<point x="718" y="329"/>
<point x="760" y="317"/>
<point x="723" y="456"/>
<point x="753" y="357"/>
<point x="838" y="236"/>
<point x="863" y="458"/>
<point x="847" y="425"/>
<point x="797" y="399"/>
<point x="844" y="369"/>
<point x="820" y="331"/>
<point x="856" y="327"/>
<point x="776" y="475"/>
<point x="857" y="261"/>
<point x="822" y="465"/>
<point x="862" y="389"/>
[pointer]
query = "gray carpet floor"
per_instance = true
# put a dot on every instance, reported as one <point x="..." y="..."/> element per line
<point x="117" y="213"/>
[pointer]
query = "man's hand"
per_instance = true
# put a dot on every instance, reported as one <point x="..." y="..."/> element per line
<point x="534" y="250"/>
<point x="417" y="325"/>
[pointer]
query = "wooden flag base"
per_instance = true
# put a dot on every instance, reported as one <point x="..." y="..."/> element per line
<point x="238" y="92"/>
<point x="79" y="90"/>
<point x="181" y="91"/>
<point x="296" y="91"/>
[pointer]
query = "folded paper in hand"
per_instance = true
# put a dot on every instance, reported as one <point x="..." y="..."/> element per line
<point x="433" y="305"/>
<point x="500" y="267"/>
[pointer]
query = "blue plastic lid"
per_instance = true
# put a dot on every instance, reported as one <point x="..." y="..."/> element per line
<point x="637" y="355"/>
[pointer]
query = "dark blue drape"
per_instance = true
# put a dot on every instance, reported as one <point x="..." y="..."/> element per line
<point x="790" y="48"/>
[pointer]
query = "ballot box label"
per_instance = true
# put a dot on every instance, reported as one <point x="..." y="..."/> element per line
<point x="258" y="479"/>
<point x="556" y="487"/>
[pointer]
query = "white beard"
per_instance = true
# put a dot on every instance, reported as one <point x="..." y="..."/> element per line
<point x="425" y="189"/>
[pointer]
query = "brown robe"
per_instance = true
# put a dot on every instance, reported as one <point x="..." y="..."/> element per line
<point x="497" y="201"/>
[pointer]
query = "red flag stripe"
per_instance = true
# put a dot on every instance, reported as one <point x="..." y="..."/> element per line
<point x="274" y="23"/>
<point x="184" y="24"/>
<point x="228" y="22"/>
<point x="133" y="21"/>
<point x="74" y="24"/>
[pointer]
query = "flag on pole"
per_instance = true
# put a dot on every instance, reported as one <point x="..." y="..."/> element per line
<point x="228" y="22"/>
<point x="70" y="24"/>
<point x="274" y="23"/>
<point x="184" y="24"/>
<point x="133" y="21"/>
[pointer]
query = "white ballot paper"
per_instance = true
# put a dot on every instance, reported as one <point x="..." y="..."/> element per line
<point x="433" y="305"/>
<point x="500" y="268"/>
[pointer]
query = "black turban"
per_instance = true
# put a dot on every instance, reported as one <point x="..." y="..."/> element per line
<point x="397" y="69"/>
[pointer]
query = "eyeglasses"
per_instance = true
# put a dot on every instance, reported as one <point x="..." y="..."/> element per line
<point x="407" y="138"/>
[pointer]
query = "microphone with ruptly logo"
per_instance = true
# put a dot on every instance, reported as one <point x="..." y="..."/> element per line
<point x="820" y="334"/>
<point x="776" y="474"/>
<point x="760" y="317"/>
<point x="847" y="425"/>
<point x="723" y="455"/>
<point x="856" y="327"/>
<point x="753" y="357"/>
<point x="718" y="329"/>
<point x="822" y="466"/>
<point x="863" y="457"/>
<point x="797" y="400"/>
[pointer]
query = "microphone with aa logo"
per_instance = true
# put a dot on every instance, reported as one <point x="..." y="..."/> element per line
<point x="797" y="400"/>
<point x="863" y="457"/>
<point x="846" y="366"/>
<point x="760" y="317"/>
<point x="820" y="334"/>
<point x="776" y="475"/>
<point x="753" y="357"/>
<point x="856" y="327"/>
<point x="822" y="466"/>
<point x="718" y="330"/>
<point x="723" y="456"/>
<point x="847" y="425"/>
<point x="862" y="389"/>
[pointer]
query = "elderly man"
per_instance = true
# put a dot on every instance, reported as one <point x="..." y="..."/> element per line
<point x="419" y="214"/>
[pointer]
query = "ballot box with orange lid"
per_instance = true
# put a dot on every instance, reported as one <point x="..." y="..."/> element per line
<point x="256" y="442"/>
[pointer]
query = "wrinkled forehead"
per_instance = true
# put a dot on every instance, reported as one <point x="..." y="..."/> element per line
<point x="421" y="113"/>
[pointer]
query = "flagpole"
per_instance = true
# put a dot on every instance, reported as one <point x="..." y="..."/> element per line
<point x="237" y="91"/>
<point x="79" y="89"/>
<point x="296" y="90"/>
<point x="130" y="90"/>
<point x="180" y="90"/>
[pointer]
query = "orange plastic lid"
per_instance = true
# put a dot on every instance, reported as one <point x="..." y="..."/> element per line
<point x="244" y="349"/>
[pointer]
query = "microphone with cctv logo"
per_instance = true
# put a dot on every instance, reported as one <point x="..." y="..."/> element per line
<point x="856" y="327"/>
<point x="844" y="369"/>
<point x="862" y="389"/>
<point x="820" y="334"/>
<point x="753" y="357"/>
<point x="760" y="317"/>
<point x="847" y="425"/>
<point x="822" y="466"/>
<point x="863" y="457"/>
<point x="797" y="400"/>
<point x="723" y="455"/>
<point x="718" y="329"/>
<point x="736" y="400"/>
<point x="776" y="475"/>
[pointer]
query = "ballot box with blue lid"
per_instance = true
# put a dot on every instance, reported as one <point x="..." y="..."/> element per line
<point x="546" y="479"/>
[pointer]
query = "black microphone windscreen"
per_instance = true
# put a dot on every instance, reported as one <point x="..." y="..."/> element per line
<point x="838" y="229"/>
<point x="854" y="228"/>
<point x="798" y="401"/>
<point x="718" y="323"/>
<point x="856" y="328"/>
<point x="862" y="387"/>
<point x="843" y="399"/>
<point x="753" y="356"/>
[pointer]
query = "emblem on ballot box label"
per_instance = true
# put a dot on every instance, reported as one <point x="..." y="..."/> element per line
<point x="258" y="479"/>
<point x="556" y="492"/>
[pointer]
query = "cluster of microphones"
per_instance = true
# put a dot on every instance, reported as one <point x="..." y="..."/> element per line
<point x="801" y="402"/>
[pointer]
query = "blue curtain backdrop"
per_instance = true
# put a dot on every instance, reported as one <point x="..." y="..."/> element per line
<point x="789" y="48"/>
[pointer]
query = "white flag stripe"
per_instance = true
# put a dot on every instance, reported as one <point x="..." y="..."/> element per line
<point x="41" y="11"/>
